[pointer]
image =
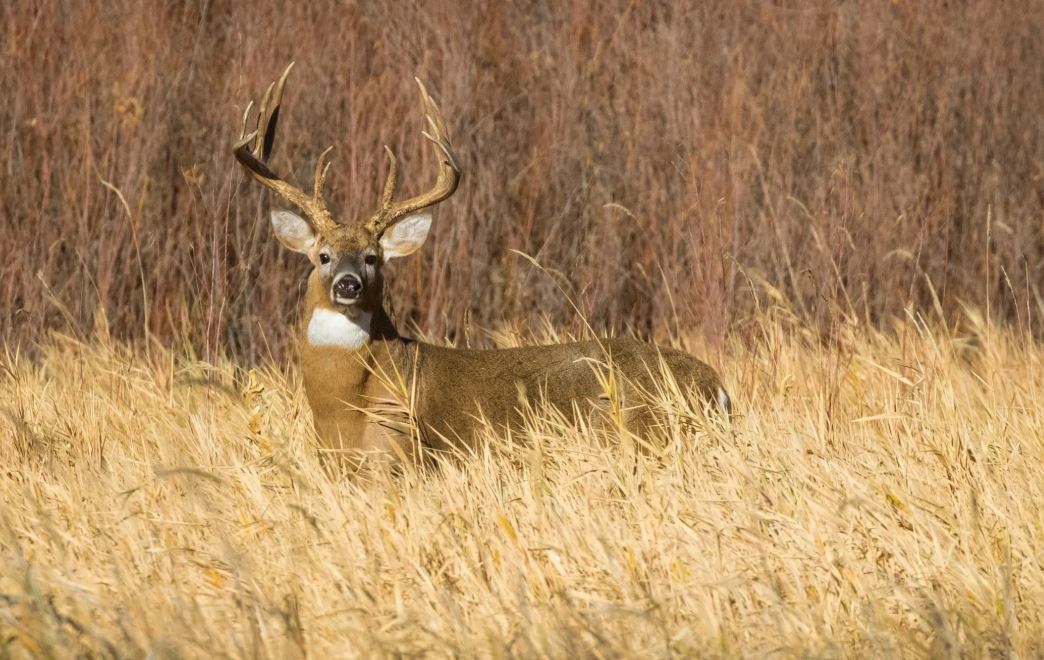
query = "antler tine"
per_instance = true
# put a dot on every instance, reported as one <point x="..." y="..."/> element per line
<point x="392" y="181"/>
<point x="254" y="149"/>
<point x="442" y="148"/>
<point x="262" y="124"/>
<point x="246" y="120"/>
<point x="380" y="221"/>
<point x="437" y="126"/>
<point x="273" y="113"/>
<point x="445" y="184"/>
<point x="321" y="168"/>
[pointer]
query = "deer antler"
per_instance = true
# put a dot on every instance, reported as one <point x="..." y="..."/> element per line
<point x="254" y="148"/>
<point x="391" y="212"/>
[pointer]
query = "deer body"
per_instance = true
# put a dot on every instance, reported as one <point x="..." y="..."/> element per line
<point x="351" y="368"/>
<point x="366" y="384"/>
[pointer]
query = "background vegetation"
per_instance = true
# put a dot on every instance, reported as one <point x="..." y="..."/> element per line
<point x="665" y="158"/>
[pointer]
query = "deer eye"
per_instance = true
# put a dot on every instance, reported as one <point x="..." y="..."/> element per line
<point x="324" y="258"/>
<point x="370" y="259"/>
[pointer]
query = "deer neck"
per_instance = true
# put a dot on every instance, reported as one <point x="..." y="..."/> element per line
<point x="340" y="352"/>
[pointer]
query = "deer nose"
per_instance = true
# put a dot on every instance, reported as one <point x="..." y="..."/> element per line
<point x="347" y="287"/>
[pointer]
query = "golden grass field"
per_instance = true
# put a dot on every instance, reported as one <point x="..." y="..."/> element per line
<point x="879" y="497"/>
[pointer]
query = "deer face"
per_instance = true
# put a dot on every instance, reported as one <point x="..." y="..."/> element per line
<point x="348" y="258"/>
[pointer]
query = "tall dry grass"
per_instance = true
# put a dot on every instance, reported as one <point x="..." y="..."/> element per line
<point x="660" y="155"/>
<point x="877" y="498"/>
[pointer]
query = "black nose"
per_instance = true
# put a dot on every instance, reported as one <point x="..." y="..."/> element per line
<point x="348" y="287"/>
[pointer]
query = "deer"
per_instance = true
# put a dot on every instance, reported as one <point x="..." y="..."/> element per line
<point x="355" y="363"/>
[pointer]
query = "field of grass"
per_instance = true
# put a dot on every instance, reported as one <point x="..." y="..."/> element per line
<point x="878" y="497"/>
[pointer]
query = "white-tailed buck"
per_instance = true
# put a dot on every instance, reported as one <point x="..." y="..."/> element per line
<point x="355" y="362"/>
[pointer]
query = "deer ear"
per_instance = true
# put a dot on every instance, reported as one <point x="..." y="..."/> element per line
<point x="293" y="231"/>
<point x="406" y="236"/>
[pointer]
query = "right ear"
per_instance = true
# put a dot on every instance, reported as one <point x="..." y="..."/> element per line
<point x="293" y="231"/>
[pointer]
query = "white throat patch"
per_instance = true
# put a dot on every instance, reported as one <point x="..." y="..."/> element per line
<point x="330" y="328"/>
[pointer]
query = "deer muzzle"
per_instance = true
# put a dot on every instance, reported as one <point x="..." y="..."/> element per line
<point x="347" y="288"/>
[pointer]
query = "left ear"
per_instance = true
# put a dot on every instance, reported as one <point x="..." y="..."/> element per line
<point x="406" y="236"/>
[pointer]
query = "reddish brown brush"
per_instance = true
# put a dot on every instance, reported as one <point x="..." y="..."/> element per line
<point x="667" y="159"/>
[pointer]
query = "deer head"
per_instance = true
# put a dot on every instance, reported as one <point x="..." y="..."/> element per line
<point x="347" y="256"/>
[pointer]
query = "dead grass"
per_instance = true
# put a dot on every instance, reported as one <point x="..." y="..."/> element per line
<point x="875" y="498"/>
